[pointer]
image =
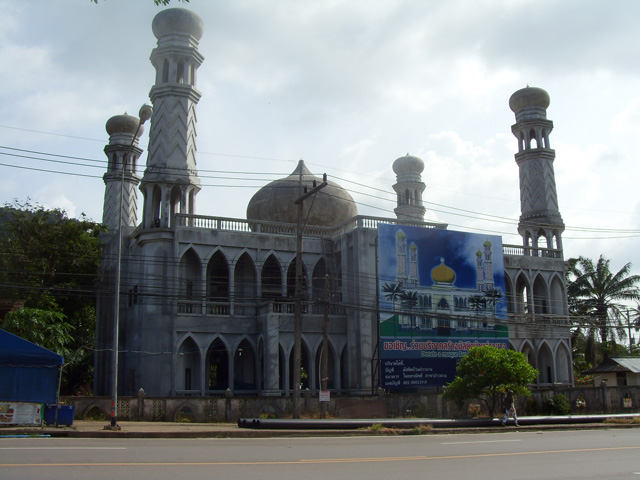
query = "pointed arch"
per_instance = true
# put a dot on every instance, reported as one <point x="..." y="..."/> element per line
<point x="522" y="295"/>
<point x="344" y="368"/>
<point x="331" y="373"/>
<point x="188" y="365"/>
<point x="218" y="277"/>
<point x="175" y="204"/>
<point x="245" y="279"/>
<point x="305" y="365"/>
<point x="509" y="297"/>
<point x="318" y="280"/>
<point x="217" y="364"/>
<point x="545" y="364"/>
<point x="540" y="297"/>
<point x="244" y="363"/>
<point x="564" y="372"/>
<point x="271" y="278"/>
<point x="189" y="283"/>
<point x="557" y="296"/>
<point x="291" y="279"/>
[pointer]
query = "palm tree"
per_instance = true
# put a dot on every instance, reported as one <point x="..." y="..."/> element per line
<point x="594" y="294"/>
<point x="493" y="297"/>
<point x="477" y="303"/>
<point x="393" y="293"/>
<point x="409" y="300"/>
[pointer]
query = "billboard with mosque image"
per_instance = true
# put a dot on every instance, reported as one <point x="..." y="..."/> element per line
<point x="441" y="292"/>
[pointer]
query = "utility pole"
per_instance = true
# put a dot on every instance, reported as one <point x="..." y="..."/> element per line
<point x="324" y="375"/>
<point x="297" y="323"/>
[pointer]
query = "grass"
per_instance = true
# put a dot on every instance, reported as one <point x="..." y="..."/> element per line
<point x="624" y="421"/>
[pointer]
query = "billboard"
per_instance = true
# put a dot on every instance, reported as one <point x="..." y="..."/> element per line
<point x="441" y="293"/>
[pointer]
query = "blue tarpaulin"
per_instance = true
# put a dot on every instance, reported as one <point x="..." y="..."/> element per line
<point x="28" y="372"/>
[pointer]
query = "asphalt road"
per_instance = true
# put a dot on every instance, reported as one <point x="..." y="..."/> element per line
<point x="506" y="454"/>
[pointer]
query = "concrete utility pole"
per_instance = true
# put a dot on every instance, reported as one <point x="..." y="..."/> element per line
<point x="144" y="115"/>
<point x="297" y="327"/>
<point x="324" y="375"/>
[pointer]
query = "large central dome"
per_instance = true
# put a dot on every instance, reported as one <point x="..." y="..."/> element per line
<point x="275" y="202"/>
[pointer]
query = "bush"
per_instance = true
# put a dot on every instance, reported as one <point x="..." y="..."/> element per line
<point x="558" y="405"/>
<point x="531" y="406"/>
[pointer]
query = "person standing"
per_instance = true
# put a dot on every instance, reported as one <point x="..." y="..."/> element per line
<point x="509" y="408"/>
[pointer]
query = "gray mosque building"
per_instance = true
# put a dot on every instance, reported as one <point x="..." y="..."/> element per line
<point x="207" y="302"/>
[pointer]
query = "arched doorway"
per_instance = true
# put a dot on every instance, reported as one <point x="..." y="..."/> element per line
<point x="244" y="367"/>
<point x="217" y="366"/>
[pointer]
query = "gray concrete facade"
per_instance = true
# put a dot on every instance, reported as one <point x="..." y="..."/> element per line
<point x="207" y="302"/>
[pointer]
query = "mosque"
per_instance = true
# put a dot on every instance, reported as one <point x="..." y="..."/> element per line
<point x="207" y="302"/>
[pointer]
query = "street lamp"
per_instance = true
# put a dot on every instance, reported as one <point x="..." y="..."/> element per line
<point x="144" y="114"/>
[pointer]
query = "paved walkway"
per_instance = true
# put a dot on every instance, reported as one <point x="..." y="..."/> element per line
<point x="96" y="429"/>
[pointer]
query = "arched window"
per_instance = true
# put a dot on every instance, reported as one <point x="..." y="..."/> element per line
<point x="245" y="279"/>
<point x="218" y="278"/>
<point x="190" y="298"/>
<point x="165" y="71"/>
<point x="180" y="72"/>
<point x="271" y="278"/>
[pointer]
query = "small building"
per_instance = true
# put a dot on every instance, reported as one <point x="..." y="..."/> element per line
<point x="616" y="372"/>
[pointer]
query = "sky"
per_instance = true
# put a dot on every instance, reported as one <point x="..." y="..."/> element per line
<point x="349" y="86"/>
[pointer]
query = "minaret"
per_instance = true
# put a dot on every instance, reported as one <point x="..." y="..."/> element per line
<point x="170" y="182"/>
<point x="540" y="215"/>
<point x="401" y="259"/>
<point x="409" y="187"/>
<point x="489" y="282"/>
<point x="413" y="265"/>
<point x="122" y="146"/>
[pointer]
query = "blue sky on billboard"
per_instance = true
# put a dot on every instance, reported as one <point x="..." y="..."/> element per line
<point x="457" y="248"/>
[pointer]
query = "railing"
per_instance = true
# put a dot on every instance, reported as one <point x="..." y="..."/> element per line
<point x="274" y="228"/>
<point x="190" y="307"/>
<point x="540" y="319"/>
<point x="253" y="309"/>
<point x="520" y="250"/>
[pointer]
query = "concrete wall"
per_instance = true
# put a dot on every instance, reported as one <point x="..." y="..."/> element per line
<point x="230" y="408"/>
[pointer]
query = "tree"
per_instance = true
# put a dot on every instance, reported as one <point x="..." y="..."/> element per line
<point x="486" y="372"/>
<point x="51" y="262"/>
<point x="596" y="296"/>
<point x="493" y="298"/>
<point x="393" y="293"/>
<point x="477" y="303"/>
<point x="42" y="327"/>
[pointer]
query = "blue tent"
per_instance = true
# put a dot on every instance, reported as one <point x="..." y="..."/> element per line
<point x="28" y="372"/>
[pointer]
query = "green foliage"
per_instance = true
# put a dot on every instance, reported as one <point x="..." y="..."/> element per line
<point x="557" y="405"/>
<point x="531" y="406"/>
<point x="51" y="262"/>
<point x="42" y="327"/>
<point x="486" y="372"/>
<point x="597" y="299"/>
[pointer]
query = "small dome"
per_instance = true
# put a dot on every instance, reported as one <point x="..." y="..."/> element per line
<point x="443" y="274"/>
<point x="177" y="20"/>
<point x="275" y="202"/>
<point x="529" y="97"/>
<point x="408" y="164"/>
<point x="123" y="124"/>
<point x="487" y="243"/>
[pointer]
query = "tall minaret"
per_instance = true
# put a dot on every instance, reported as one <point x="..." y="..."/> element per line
<point x="170" y="182"/>
<point x="540" y="215"/>
<point x="122" y="146"/>
<point x="409" y="187"/>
